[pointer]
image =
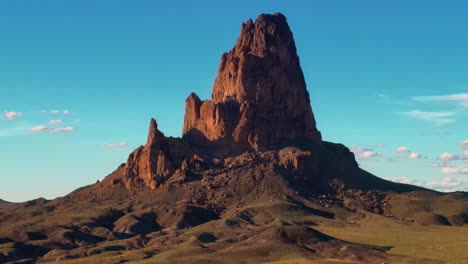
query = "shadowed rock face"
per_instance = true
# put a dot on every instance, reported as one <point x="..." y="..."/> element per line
<point x="259" y="97"/>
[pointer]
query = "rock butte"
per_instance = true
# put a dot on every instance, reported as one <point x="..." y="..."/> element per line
<point x="259" y="99"/>
<point x="259" y="102"/>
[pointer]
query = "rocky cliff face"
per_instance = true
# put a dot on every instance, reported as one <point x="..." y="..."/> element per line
<point x="259" y="98"/>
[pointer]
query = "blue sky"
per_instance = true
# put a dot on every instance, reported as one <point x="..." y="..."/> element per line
<point x="386" y="78"/>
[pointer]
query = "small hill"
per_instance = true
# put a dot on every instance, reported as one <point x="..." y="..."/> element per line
<point x="4" y="203"/>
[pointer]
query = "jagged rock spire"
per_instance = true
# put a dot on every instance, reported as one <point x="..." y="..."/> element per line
<point x="259" y="97"/>
<point x="154" y="135"/>
<point x="151" y="163"/>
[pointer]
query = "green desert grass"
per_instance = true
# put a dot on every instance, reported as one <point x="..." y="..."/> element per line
<point x="431" y="244"/>
<point x="309" y="261"/>
<point x="49" y="217"/>
<point x="408" y="240"/>
<point x="407" y="205"/>
<point x="193" y="253"/>
<point x="444" y="243"/>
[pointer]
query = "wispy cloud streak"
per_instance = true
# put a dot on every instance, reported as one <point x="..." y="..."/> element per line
<point x="438" y="118"/>
<point x="52" y="129"/>
<point x="459" y="99"/>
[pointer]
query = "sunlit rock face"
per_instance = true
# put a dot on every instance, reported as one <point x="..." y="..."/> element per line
<point x="259" y="98"/>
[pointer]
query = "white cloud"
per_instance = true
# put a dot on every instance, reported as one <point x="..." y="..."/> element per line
<point x="459" y="99"/>
<point x="439" y="165"/>
<point x="13" y="115"/>
<point x="415" y="156"/>
<point x="456" y="179"/>
<point x="383" y="98"/>
<point x="55" y="121"/>
<point x="447" y="184"/>
<point x="449" y="156"/>
<point x="115" y="145"/>
<point x="449" y="170"/>
<point x="453" y="157"/>
<point x="454" y="170"/>
<point x="363" y="153"/>
<point x="52" y="129"/>
<point x="438" y="118"/>
<point x="403" y="179"/>
<point x="385" y="158"/>
<point x="375" y="146"/>
<point x="464" y="144"/>
<point x="63" y="129"/>
<point x="59" y="112"/>
<point x="39" y="128"/>
<point x="369" y="154"/>
<point x="401" y="150"/>
<point x="358" y="150"/>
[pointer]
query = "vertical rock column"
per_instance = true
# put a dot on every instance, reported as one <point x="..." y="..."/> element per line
<point x="259" y="98"/>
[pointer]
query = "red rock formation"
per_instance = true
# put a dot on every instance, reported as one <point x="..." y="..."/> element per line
<point x="153" y="163"/>
<point x="259" y="102"/>
<point x="259" y="97"/>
